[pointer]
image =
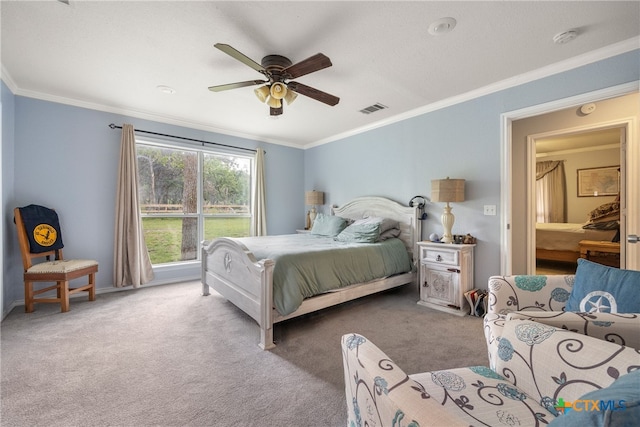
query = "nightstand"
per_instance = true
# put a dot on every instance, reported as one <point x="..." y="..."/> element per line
<point x="606" y="253"/>
<point x="446" y="273"/>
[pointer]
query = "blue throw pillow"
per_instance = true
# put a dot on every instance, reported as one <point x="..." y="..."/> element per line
<point x="328" y="225"/>
<point x="598" y="288"/>
<point x="360" y="233"/>
<point x="618" y="405"/>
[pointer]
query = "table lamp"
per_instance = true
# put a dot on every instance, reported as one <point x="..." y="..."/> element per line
<point x="313" y="198"/>
<point x="447" y="190"/>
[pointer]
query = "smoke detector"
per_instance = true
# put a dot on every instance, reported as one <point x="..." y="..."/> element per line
<point x="565" y="36"/>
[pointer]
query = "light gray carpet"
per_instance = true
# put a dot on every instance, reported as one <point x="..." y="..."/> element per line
<point x="167" y="356"/>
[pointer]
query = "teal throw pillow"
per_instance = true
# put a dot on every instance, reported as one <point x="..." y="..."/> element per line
<point x="598" y="288"/>
<point x="328" y="225"/>
<point x="617" y="405"/>
<point x="360" y="233"/>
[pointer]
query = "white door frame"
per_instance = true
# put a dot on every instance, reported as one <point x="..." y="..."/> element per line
<point x="624" y="124"/>
<point x="632" y="167"/>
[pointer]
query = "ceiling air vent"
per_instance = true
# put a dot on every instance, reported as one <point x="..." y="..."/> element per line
<point x="373" y="108"/>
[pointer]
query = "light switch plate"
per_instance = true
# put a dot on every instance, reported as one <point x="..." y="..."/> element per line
<point x="489" y="209"/>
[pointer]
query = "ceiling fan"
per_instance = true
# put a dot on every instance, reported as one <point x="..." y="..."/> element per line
<point x="279" y="71"/>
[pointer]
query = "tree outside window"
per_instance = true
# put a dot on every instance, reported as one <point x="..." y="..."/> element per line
<point x="187" y="196"/>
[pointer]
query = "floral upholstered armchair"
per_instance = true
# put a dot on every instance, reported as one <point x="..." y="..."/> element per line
<point x="539" y="370"/>
<point x="545" y="298"/>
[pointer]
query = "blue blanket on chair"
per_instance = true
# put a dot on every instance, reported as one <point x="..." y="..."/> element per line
<point x="43" y="228"/>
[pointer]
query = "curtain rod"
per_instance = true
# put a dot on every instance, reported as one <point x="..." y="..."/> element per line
<point x="113" y="126"/>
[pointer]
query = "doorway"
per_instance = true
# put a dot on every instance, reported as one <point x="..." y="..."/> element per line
<point x="616" y="107"/>
<point x="572" y="153"/>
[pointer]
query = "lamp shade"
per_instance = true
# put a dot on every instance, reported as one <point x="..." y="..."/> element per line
<point x="290" y="96"/>
<point x="447" y="190"/>
<point x="274" y="102"/>
<point x="262" y="93"/>
<point x="278" y="90"/>
<point x="312" y="198"/>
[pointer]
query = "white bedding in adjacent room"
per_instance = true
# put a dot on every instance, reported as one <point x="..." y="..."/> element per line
<point x="566" y="236"/>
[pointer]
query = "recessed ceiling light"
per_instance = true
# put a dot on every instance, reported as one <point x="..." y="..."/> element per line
<point x="166" y="89"/>
<point x="442" y="26"/>
<point x="565" y="36"/>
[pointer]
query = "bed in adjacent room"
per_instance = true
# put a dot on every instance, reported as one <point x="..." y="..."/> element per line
<point x="560" y="241"/>
<point x="364" y="247"/>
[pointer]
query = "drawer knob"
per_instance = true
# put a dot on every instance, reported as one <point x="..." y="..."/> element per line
<point x="439" y="258"/>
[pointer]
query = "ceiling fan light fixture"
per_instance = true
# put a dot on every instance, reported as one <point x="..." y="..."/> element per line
<point x="290" y="97"/>
<point x="262" y="93"/>
<point x="278" y="90"/>
<point x="274" y="102"/>
<point x="278" y="70"/>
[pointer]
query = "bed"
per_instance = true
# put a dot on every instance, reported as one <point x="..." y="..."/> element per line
<point x="560" y="241"/>
<point x="246" y="280"/>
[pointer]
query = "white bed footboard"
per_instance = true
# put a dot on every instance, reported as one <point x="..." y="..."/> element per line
<point x="231" y="270"/>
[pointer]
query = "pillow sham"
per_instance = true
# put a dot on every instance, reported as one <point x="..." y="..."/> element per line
<point x="386" y="224"/>
<point x="605" y="212"/>
<point x="604" y="225"/>
<point x="389" y="234"/>
<point x="598" y="288"/>
<point x="328" y="225"/>
<point x="360" y="232"/>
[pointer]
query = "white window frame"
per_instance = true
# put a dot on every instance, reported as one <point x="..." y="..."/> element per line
<point x="200" y="151"/>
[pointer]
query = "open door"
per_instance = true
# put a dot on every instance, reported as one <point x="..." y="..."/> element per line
<point x="616" y="107"/>
<point x="554" y="244"/>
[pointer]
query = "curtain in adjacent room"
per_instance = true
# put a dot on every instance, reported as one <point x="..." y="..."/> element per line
<point x="259" y="205"/>
<point x="132" y="265"/>
<point x="551" y="191"/>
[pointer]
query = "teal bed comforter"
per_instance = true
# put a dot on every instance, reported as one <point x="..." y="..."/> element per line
<point x="308" y="265"/>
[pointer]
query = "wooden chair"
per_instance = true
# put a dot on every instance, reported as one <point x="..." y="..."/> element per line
<point x="60" y="270"/>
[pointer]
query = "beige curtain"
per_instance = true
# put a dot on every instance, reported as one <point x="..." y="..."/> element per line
<point x="551" y="192"/>
<point x="132" y="265"/>
<point x="259" y="205"/>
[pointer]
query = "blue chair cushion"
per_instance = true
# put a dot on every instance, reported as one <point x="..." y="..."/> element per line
<point x="598" y="288"/>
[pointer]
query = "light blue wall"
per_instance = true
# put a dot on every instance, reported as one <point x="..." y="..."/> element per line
<point x="67" y="157"/>
<point x="462" y="141"/>
<point x="10" y="270"/>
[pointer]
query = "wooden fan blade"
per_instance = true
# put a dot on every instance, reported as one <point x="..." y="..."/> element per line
<point x="240" y="57"/>
<point x="314" y="93"/>
<point x="309" y="65"/>
<point x="220" y="88"/>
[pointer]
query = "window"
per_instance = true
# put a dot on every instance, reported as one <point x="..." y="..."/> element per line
<point x="190" y="195"/>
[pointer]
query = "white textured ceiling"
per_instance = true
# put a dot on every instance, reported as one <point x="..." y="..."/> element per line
<point x="112" y="55"/>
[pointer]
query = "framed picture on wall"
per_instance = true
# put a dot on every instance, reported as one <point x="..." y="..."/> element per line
<point x="594" y="182"/>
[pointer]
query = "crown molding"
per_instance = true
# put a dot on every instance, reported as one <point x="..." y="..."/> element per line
<point x="8" y="80"/>
<point x="559" y="67"/>
<point x="134" y="113"/>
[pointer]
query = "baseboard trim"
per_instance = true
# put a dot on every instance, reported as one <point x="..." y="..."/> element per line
<point x="108" y="290"/>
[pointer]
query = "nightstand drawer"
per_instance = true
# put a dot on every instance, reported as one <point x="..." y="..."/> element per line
<point x="440" y="256"/>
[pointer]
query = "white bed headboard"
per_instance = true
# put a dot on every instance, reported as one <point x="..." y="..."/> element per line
<point x="408" y="217"/>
